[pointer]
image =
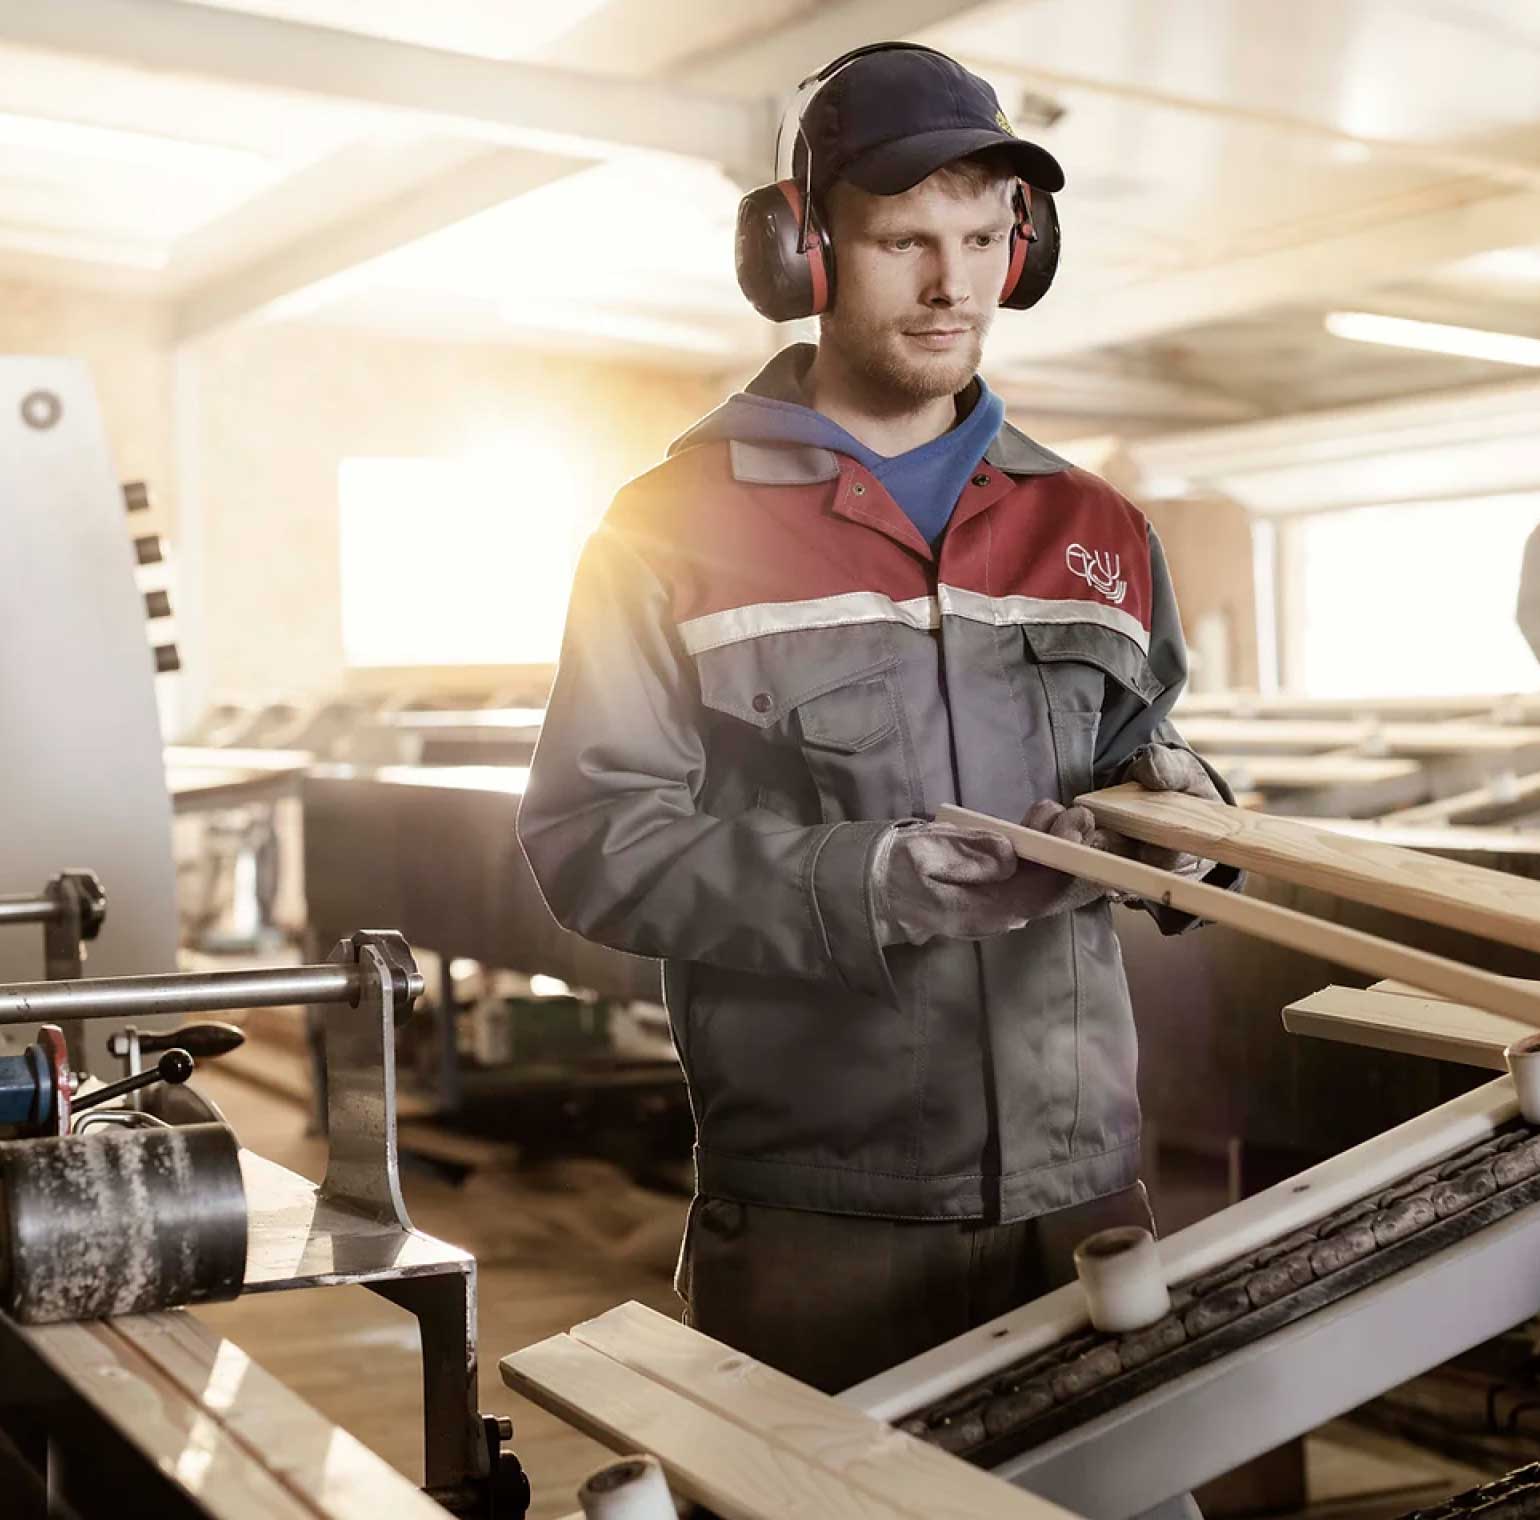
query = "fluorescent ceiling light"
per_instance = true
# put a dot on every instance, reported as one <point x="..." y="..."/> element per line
<point x="1503" y="264"/>
<point x="1434" y="337"/>
<point x="215" y="161"/>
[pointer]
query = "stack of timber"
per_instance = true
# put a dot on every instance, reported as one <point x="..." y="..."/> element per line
<point x="1363" y="759"/>
<point x="745" y="1440"/>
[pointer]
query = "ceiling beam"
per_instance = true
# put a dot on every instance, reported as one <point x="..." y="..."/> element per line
<point x="775" y="62"/>
<point x="328" y="250"/>
<point x="1056" y="390"/>
<point x="552" y="110"/>
<point x="1451" y="445"/>
<point x="218" y="288"/>
<point x="1453" y="223"/>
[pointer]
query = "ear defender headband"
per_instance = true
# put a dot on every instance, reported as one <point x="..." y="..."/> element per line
<point x="785" y="257"/>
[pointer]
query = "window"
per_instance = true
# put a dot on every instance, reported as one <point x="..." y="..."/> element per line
<point x="1412" y="600"/>
<point x="456" y="561"/>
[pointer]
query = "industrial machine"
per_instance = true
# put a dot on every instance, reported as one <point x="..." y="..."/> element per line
<point x="1272" y="1317"/>
<point x="109" y="1209"/>
<point x="1286" y="1310"/>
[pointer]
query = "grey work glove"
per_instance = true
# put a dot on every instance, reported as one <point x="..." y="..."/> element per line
<point x="1168" y="768"/>
<point x="942" y="881"/>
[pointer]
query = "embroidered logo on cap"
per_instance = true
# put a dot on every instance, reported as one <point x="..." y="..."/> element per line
<point x="1003" y="123"/>
<point x="1100" y="569"/>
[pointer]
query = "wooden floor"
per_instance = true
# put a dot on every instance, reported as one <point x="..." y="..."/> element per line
<point x="554" y="1244"/>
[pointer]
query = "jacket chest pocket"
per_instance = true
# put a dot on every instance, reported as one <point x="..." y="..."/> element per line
<point x="825" y="709"/>
<point x="1082" y="669"/>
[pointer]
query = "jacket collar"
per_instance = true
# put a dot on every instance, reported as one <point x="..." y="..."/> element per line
<point x="779" y="464"/>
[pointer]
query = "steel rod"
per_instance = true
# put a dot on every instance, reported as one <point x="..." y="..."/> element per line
<point x="28" y="910"/>
<point x="187" y="992"/>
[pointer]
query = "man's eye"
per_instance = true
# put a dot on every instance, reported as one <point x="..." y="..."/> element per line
<point x="901" y="245"/>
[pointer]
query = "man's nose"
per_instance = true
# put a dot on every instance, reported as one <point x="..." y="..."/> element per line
<point x="948" y="282"/>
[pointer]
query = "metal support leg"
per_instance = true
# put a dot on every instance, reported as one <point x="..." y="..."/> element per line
<point x="24" y="1466"/>
<point x="455" y="1449"/>
<point x="362" y="1174"/>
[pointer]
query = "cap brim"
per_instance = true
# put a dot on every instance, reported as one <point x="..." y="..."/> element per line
<point x="893" y="167"/>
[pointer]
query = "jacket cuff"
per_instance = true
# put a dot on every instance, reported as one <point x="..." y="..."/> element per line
<point x="1226" y="878"/>
<point x="1173" y="920"/>
<point x="840" y="894"/>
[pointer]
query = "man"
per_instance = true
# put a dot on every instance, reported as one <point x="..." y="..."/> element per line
<point x="850" y="595"/>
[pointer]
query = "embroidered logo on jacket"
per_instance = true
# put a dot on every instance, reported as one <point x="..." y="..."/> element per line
<point x="1101" y="570"/>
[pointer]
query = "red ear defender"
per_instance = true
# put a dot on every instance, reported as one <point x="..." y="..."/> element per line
<point x="1034" y="248"/>
<point x="784" y="257"/>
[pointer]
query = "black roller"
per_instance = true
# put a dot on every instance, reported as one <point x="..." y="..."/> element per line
<point x="120" y="1221"/>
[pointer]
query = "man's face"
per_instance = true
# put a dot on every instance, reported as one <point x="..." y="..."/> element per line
<point x="919" y="278"/>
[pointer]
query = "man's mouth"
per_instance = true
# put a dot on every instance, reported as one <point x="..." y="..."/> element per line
<point x="938" y="337"/>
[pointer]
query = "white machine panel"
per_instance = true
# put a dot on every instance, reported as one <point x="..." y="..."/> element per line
<point x="81" y="777"/>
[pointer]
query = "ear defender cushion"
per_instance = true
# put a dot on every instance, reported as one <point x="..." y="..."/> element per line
<point x="781" y="280"/>
<point x="1034" y="249"/>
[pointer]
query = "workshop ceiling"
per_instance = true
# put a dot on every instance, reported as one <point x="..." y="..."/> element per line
<point x="566" y="176"/>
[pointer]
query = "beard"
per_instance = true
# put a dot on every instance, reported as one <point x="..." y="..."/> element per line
<point x="893" y="367"/>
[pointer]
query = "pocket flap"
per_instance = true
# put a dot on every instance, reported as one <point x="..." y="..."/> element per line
<point x="763" y="680"/>
<point x="1115" y="654"/>
<point x="850" y="718"/>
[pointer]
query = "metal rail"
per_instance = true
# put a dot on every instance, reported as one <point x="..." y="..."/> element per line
<point x="30" y="910"/>
<point x="190" y="992"/>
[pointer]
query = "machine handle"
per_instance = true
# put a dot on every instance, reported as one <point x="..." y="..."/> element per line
<point x="201" y="1041"/>
<point x="174" y="1067"/>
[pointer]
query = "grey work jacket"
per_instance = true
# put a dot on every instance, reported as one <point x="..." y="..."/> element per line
<point x="764" y="664"/>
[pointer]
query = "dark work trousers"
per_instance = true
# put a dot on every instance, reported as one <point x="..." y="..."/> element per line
<point x="833" y="1299"/>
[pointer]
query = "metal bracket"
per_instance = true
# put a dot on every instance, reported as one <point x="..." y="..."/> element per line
<point x="362" y="1171"/>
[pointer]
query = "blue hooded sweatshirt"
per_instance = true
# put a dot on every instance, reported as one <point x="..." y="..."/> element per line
<point x="925" y="481"/>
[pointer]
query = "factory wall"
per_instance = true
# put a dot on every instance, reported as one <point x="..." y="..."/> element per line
<point x="268" y="414"/>
<point x="1208" y="546"/>
<point x="254" y="423"/>
<point x="124" y="340"/>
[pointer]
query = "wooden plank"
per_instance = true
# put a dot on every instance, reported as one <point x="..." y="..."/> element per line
<point x="1298" y="931"/>
<point x="1494" y="904"/>
<point x="1439" y="839"/>
<point x="171" y="1430"/>
<point x="1496" y="707"/>
<point x="1414" y="1025"/>
<point x="1312" y="735"/>
<point x="1309" y="772"/>
<point x="1500" y="799"/>
<point x="708" y="1459"/>
<point x="337" y="1475"/>
<point x="894" y="1466"/>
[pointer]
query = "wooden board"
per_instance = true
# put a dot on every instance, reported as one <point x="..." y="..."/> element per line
<point x="171" y="1431"/>
<point x="1437" y="839"/>
<point x="336" y="1474"/>
<point x="894" y="1466"/>
<point x="1298" y="931"/>
<point x="752" y="1458"/>
<point x="1309" y="772"/>
<point x="1507" y="797"/>
<point x="1283" y="736"/>
<point x="1406" y="1022"/>
<point x="1493" y="904"/>
<point x="1495" y="707"/>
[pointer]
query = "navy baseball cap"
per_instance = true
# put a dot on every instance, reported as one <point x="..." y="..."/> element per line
<point x="892" y="116"/>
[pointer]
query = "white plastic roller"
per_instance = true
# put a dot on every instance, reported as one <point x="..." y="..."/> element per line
<point x="1523" y="1058"/>
<point x="1124" y="1282"/>
<point x="631" y="1489"/>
